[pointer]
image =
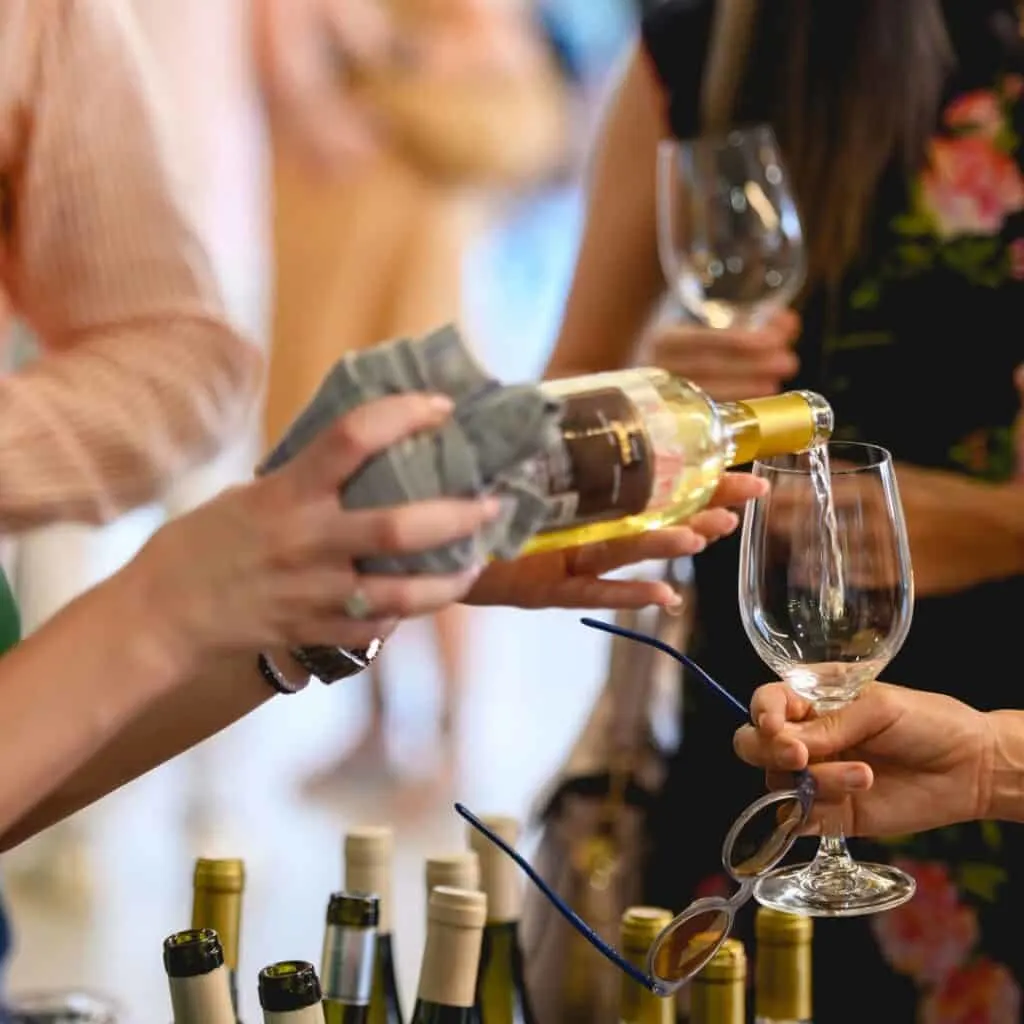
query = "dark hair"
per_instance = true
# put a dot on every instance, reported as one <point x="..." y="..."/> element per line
<point x="852" y="86"/>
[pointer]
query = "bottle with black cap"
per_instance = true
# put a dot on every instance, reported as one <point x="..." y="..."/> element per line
<point x="198" y="978"/>
<point x="350" y="946"/>
<point x="290" y="994"/>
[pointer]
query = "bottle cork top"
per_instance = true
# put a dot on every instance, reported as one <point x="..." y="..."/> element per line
<point x="455" y="870"/>
<point x="499" y="875"/>
<point x="729" y="964"/>
<point x="779" y="927"/>
<point x="289" y="986"/>
<point x="373" y="843"/>
<point x="460" y="908"/>
<point x="353" y="910"/>
<point x="192" y="953"/>
<point x="222" y="874"/>
<point x="642" y="925"/>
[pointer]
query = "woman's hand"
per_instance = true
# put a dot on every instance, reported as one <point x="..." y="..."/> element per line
<point x="573" y="578"/>
<point x="270" y="564"/>
<point x="729" y="365"/>
<point x="908" y="760"/>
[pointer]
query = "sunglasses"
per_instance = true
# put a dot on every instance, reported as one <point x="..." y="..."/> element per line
<point x="758" y="840"/>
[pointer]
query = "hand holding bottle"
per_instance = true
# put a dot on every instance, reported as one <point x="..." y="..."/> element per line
<point x="730" y="365"/>
<point x="908" y="760"/>
<point x="270" y="564"/>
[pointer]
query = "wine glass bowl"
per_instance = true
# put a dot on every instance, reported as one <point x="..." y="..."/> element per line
<point x="826" y="597"/>
<point x="729" y="234"/>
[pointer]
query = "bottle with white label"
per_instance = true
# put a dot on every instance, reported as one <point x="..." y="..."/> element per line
<point x="198" y="978"/>
<point x="290" y="993"/>
<point x="641" y="449"/>
<point x="346" y="967"/>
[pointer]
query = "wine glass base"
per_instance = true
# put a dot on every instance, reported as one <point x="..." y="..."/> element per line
<point x="864" y="889"/>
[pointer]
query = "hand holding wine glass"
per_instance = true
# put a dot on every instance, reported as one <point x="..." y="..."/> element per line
<point x="826" y="598"/>
<point x="729" y="234"/>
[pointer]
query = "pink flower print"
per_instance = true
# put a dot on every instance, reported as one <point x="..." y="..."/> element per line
<point x="1013" y="87"/>
<point x="1015" y="252"/>
<point x="970" y="187"/>
<point x="714" y="885"/>
<point x="976" y="112"/>
<point x="981" y="993"/>
<point x="931" y="935"/>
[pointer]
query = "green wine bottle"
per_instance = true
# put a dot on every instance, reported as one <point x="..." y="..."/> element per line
<point x="217" y="887"/>
<point x="451" y="957"/>
<point x="346" y="968"/>
<point x="290" y="994"/>
<point x="368" y="856"/>
<point x="501" y="989"/>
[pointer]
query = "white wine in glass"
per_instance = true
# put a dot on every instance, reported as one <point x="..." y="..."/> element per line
<point x="729" y="235"/>
<point x="826" y="595"/>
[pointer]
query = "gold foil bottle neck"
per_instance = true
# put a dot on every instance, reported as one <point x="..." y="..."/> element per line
<point x="222" y="874"/>
<point x="641" y="926"/>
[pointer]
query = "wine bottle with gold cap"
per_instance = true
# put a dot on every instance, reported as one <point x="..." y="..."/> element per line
<point x="217" y="887"/>
<point x="459" y="870"/>
<point x="290" y="993"/>
<point x="451" y="957"/>
<point x="346" y="967"/>
<point x="368" y="855"/>
<point x="719" y="992"/>
<point x="501" y="988"/>
<point x="782" y="977"/>
<point x="640" y="449"/>
<point x="198" y="978"/>
<point x="640" y="927"/>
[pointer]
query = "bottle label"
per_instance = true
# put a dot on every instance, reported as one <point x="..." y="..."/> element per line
<point x="607" y="465"/>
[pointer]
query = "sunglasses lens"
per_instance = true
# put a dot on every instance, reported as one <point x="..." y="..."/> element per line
<point x="687" y="945"/>
<point x="765" y="837"/>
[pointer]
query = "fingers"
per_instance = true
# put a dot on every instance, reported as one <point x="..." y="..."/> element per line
<point x="407" y="528"/>
<point x="339" y="450"/>
<point x="583" y="592"/>
<point x="737" y="488"/>
<point x="668" y="543"/>
<point x="775" y="704"/>
<point x="835" y="780"/>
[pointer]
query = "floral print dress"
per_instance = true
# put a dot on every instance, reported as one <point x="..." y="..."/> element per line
<point x="917" y="351"/>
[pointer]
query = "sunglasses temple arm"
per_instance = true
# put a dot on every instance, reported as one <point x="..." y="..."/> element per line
<point x="683" y="659"/>
<point x="556" y="901"/>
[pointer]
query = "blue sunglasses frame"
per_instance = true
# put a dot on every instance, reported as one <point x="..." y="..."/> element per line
<point x="803" y="792"/>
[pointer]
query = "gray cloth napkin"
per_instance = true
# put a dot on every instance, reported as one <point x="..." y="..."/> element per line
<point x="486" y="447"/>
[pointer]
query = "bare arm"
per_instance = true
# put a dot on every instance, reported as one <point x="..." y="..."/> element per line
<point x="217" y="697"/>
<point x="1006" y="800"/>
<point x="142" y="377"/>
<point x="618" y="280"/>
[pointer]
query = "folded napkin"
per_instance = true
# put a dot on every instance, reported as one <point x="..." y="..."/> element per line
<point x="487" y="446"/>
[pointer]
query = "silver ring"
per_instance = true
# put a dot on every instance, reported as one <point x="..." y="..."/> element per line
<point x="356" y="606"/>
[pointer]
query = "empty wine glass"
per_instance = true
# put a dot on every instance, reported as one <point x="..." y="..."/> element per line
<point x="729" y="234"/>
<point x="826" y="596"/>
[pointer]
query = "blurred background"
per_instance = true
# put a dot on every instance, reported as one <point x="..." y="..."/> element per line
<point x="295" y="218"/>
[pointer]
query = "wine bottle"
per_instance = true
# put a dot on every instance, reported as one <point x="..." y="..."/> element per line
<point x="198" y="978"/>
<point x="217" y="887"/>
<point x="501" y="994"/>
<point x="640" y="927"/>
<point x="782" y="993"/>
<point x="451" y="957"/>
<point x="346" y="968"/>
<point x="719" y="991"/>
<point x="368" y="855"/>
<point x="640" y="449"/>
<point x="290" y="993"/>
<point x="459" y="870"/>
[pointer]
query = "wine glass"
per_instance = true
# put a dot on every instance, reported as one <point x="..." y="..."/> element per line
<point x="729" y="235"/>
<point x="826" y="596"/>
